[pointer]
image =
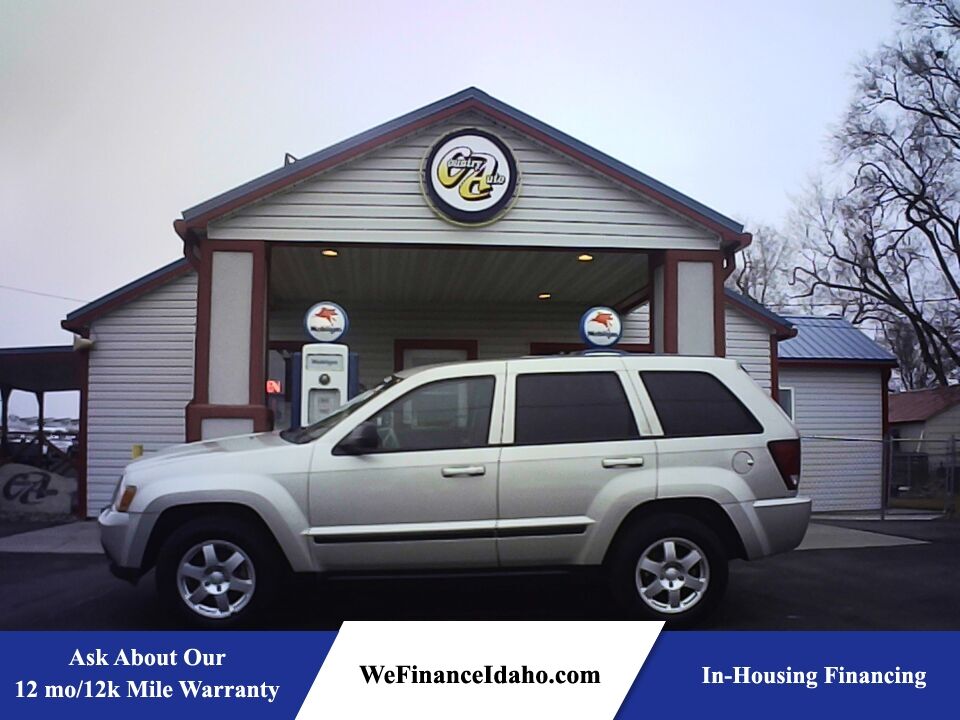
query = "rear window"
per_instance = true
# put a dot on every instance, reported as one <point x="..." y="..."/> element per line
<point x="694" y="404"/>
<point x="572" y="408"/>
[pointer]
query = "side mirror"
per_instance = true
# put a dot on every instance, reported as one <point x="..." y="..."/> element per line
<point x="362" y="439"/>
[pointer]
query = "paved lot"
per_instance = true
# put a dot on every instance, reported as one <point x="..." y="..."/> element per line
<point x="868" y="579"/>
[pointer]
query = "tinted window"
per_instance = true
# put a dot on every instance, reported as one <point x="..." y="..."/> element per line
<point x="572" y="408"/>
<point x="442" y="415"/>
<point x="691" y="404"/>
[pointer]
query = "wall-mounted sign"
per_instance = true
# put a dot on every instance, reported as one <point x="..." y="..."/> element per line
<point x="326" y="322"/>
<point x="601" y="327"/>
<point x="470" y="177"/>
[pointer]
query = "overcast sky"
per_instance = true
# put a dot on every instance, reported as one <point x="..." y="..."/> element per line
<point x="116" y="116"/>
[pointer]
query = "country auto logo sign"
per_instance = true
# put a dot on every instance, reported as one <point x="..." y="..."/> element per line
<point x="601" y="327"/>
<point x="326" y="322"/>
<point x="470" y="177"/>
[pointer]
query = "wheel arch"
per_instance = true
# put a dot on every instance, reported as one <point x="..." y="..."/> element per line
<point x="706" y="511"/>
<point x="178" y="515"/>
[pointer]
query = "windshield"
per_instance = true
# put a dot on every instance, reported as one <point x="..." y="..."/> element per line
<point x="320" y="428"/>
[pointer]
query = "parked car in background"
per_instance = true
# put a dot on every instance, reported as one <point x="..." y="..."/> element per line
<point x="655" y="469"/>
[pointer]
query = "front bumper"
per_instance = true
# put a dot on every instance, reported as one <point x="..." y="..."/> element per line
<point x="768" y="527"/>
<point x="123" y="537"/>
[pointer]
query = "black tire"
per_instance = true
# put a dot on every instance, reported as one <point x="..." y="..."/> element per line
<point x="648" y="537"/>
<point x="261" y="565"/>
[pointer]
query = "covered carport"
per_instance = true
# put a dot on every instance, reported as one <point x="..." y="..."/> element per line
<point x="42" y="370"/>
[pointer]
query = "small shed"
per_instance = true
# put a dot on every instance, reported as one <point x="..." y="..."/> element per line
<point x="833" y="384"/>
<point x="926" y="414"/>
<point x="38" y="476"/>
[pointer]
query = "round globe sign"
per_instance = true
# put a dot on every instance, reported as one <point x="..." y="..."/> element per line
<point x="601" y="327"/>
<point x="326" y="322"/>
<point x="470" y="177"/>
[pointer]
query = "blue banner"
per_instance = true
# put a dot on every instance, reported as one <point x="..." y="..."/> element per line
<point x="800" y="674"/>
<point x="146" y="675"/>
<point x="269" y="674"/>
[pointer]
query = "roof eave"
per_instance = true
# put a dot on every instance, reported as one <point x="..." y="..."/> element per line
<point x="849" y="362"/>
<point x="79" y="320"/>
<point x="782" y="329"/>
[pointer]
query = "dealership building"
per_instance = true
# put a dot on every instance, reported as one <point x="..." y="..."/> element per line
<point x="465" y="229"/>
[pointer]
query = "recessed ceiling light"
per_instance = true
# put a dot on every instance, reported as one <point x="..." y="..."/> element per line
<point x="585" y="257"/>
<point x="329" y="252"/>
<point x="544" y="296"/>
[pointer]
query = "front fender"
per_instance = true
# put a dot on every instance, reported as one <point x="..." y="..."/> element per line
<point x="271" y="500"/>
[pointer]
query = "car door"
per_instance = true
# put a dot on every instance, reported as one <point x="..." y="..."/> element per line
<point x="426" y="497"/>
<point x="574" y="453"/>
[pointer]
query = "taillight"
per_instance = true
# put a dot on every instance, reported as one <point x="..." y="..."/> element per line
<point x="786" y="454"/>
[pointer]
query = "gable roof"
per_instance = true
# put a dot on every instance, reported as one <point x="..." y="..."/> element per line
<point x="832" y="339"/>
<point x="779" y="326"/>
<point x="79" y="320"/>
<point x="195" y="219"/>
<point x="920" y="405"/>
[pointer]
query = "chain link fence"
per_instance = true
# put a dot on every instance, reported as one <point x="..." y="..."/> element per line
<point x="892" y="476"/>
<point x="921" y="474"/>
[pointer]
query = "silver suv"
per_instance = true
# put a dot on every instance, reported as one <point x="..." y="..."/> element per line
<point x="655" y="469"/>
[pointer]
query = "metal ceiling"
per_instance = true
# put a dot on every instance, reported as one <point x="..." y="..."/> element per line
<point x="409" y="276"/>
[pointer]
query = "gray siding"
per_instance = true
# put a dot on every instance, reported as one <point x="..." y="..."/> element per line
<point x="938" y="437"/>
<point x="636" y="325"/>
<point x="141" y="378"/>
<point x="942" y="426"/>
<point x="749" y="342"/>
<point x="377" y="198"/>
<point x="842" y="473"/>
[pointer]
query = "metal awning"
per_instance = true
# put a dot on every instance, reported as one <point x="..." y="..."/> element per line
<point x="41" y="369"/>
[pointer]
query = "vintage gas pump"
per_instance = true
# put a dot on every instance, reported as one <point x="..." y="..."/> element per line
<point x="324" y="372"/>
<point x="327" y="369"/>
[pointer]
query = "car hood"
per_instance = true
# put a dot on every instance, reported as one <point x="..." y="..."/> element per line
<point x="234" y="444"/>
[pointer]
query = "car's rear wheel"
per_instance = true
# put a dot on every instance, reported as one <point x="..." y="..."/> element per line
<point x="670" y="568"/>
<point x="217" y="572"/>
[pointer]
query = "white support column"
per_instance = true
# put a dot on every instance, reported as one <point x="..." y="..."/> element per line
<point x="695" y="308"/>
<point x="231" y="291"/>
<point x="228" y="393"/>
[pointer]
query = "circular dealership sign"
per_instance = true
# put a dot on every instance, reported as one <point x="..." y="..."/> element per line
<point x="470" y="177"/>
<point x="601" y="327"/>
<point x="326" y="322"/>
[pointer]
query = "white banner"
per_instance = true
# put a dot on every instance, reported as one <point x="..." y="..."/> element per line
<point x="480" y="670"/>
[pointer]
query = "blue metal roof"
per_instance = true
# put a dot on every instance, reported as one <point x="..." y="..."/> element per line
<point x="831" y="338"/>
<point x="470" y="93"/>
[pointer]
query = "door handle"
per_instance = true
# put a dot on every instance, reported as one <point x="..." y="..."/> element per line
<point x="622" y="462"/>
<point x="463" y="471"/>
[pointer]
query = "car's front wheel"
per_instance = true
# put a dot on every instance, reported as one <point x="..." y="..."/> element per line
<point x="670" y="568"/>
<point x="216" y="572"/>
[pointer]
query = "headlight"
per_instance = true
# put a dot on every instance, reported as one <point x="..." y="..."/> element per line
<point x="126" y="498"/>
<point x="123" y="496"/>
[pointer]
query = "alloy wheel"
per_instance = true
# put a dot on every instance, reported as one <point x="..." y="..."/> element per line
<point x="672" y="575"/>
<point x="216" y="579"/>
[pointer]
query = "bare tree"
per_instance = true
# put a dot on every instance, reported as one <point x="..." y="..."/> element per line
<point x="888" y="247"/>
<point x="763" y="268"/>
